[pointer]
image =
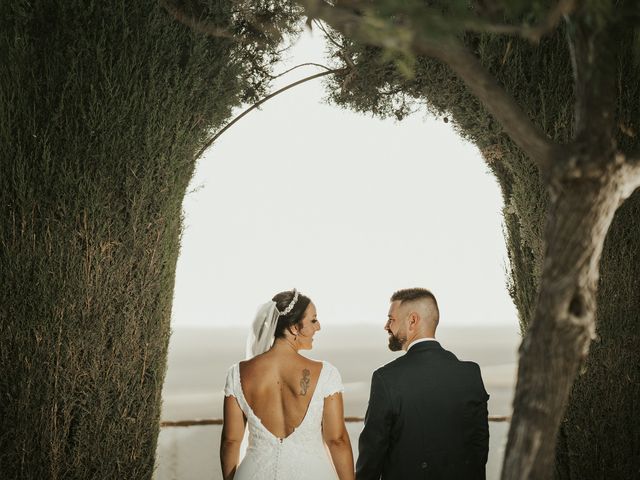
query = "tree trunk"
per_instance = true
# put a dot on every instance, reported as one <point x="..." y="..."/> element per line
<point x="586" y="189"/>
<point x="601" y="429"/>
<point x="580" y="212"/>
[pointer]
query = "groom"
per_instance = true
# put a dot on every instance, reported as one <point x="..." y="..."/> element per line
<point x="427" y="414"/>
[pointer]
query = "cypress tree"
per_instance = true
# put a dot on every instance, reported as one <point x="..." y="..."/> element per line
<point x="103" y="107"/>
<point x="601" y="429"/>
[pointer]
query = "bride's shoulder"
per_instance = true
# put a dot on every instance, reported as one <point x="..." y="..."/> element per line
<point x="332" y="379"/>
<point x="231" y="371"/>
<point x="255" y="362"/>
<point x="257" y="366"/>
<point x="231" y="382"/>
<point x="328" y="368"/>
<point x="327" y="365"/>
<point x="316" y="364"/>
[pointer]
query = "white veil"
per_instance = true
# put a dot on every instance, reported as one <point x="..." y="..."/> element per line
<point x="263" y="329"/>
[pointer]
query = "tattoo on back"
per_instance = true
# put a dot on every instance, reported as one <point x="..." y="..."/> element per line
<point x="305" y="382"/>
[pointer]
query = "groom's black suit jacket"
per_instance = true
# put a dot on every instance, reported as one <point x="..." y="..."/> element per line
<point x="426" y="419"/>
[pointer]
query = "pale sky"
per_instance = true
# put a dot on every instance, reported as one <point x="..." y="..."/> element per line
<point x="345" y="207"/>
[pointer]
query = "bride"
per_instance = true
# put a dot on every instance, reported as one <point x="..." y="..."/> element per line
<point x="293" y="405"/>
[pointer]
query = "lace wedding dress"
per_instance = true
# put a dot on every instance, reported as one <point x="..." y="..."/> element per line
<point x="300" y="456"/>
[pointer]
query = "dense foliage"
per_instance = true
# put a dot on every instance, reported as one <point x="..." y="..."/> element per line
<point x="103" y="106"/>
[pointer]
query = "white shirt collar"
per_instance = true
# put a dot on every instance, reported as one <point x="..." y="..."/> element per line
<point x="420" y="340"/>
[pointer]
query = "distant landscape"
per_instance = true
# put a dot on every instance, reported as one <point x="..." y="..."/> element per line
<point x="199" y="359"/>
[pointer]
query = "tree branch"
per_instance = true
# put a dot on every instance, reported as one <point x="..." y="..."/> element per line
<point x="327" y="35"/>
<point x="592" y="49"/>
<point x="481" y="83"/>
<point x="299" y="66"/>
<point x="630" y="175"/>
<point x="257" y="104"/>
<point x="497" y="101"/>
<point x="422" y="16"/>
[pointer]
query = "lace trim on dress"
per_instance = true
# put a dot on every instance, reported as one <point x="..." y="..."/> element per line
<point x="229" y="385"/>
<point x="333" y="381"/>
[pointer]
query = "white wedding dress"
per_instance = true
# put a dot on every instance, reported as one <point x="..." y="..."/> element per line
<point x="300" y="456"/>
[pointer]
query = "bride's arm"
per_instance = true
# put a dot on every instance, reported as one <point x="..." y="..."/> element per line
<point x="232" y="434"/>
<point x="336" y="436"/>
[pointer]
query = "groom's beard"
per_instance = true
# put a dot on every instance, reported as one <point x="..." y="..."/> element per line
<point x="396" y="343"/>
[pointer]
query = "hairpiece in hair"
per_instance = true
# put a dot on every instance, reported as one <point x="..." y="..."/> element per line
<point x="287" y="310"/>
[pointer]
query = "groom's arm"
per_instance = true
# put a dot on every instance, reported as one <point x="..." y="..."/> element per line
<point x="374" y="439"/>
<point x="480" y="436"/>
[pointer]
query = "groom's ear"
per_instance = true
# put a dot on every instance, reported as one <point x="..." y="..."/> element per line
<point x="414" y="318"/>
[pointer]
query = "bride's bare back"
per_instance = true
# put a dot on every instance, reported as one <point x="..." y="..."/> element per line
<point x="278" y="388"/>
<point x="273" y="392"/>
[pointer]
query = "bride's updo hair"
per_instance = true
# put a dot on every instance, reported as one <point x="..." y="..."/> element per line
<point x="295" y="316"/>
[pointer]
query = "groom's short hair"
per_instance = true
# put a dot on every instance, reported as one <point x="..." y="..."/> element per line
<point x="410" y="294"/>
